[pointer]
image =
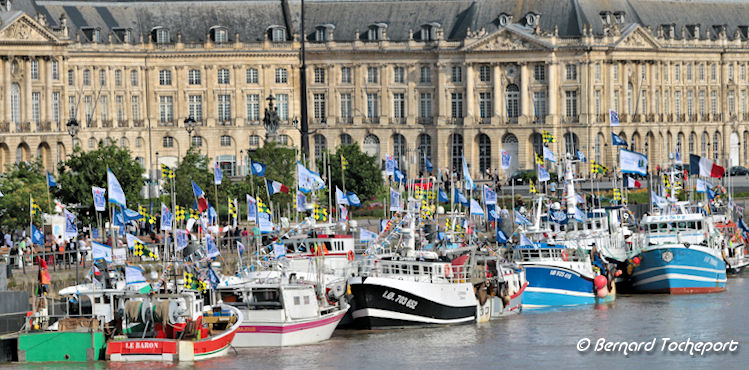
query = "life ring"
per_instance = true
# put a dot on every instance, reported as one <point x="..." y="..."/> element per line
<point x="564" y="255"/>
<point x="448" y="270"/>
<point x="350" y="255"/>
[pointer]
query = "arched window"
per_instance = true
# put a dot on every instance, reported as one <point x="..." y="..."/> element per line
<point x="197" y="141"/>
<point x="286" y="140"/>
<point x="399" y="150"/>
<point x="485" y="153"/>
<point x="571" y="143"/>
<point x="716" y="147"/>
<point x="692" y="142"/>
<point x="225" y="140"/>
<point x="512" y="96"/>
<point x="372" y="146"/>
<point x="635" y="142"/>
<point x="346" y="139"/>
<point x="168" y="142"/>
<point x="537" y="141"/>
<point x="599" y="142"/>
<point x="679" y="142"/>
<point x="425" y="151"/>
<point x="456" y="152"/>
<point x="320" y="145"/>
<point x="254" y="141"/>
<point x="138" y="142"/>
<point x="91" y="143"/>
<point x="705" y="140"/>
<point x="123" y="142"/>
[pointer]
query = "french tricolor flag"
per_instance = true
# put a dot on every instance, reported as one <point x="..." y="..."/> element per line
<point x="704" y="167"/>
<point x="632" y="183"/>
<point x="200" y="196"/>
<point x="276" y="187"/>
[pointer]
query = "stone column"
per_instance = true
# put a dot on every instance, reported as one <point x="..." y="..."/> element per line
<point x="470" y="98"/>
<point x="497" y="94"/>
<point x="6" y="87"/>
<point x="412" y="96"/>
<point x="525" y="112"/>
<point x="26" y="92"/>
<point x="441" y="99"/>
<point x="553" y="92"/>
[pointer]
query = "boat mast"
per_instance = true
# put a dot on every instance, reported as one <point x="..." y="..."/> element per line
<point x="304" y="125"/>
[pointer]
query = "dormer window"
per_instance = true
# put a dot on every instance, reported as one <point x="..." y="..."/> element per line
<point x="123" y="34"/>
<point x="619" y="15"/>
<point x="324" y="32"/>
<point x="219" y="34"/>
<point x="605" y="18"/>
<point x="504" y="19"/>
<point x="160" y="35"/>
<point x="429" y="31"/>
<point x="277" y="33"/>
<point x="377" y="32"/>
<point x="91" y="33"/>
<point x="531" y="19"/>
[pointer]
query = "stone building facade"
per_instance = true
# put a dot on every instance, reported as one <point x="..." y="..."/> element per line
<point x="441" y="79"/>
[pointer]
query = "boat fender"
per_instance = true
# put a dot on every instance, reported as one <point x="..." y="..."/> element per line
<point x="564" y="255"/>
<point x="600" y="282"/>
<point x="686" y="245"/>
<point x="603" y="292"/>
<point x="350" y="255"/>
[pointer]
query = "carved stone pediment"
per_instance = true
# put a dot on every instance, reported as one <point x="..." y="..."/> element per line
<point x="505" y="39"/>
<point x="25" y="29"/>
<point x="637" y="39"/>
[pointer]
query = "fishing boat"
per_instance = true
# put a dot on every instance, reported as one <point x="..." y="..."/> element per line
<point x="173" y="327"/>
<point x="502" y="293"/>
<point x="281" y="311"/>
<point x="682" y="254"/>
<point x="734" y="249"/>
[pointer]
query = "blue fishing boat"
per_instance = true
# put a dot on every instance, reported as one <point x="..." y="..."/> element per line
<point x="682" y="255"/>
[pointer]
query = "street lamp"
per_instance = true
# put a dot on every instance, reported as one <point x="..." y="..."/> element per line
<point x="73" y="128"/>
<point x="190" y="127"/>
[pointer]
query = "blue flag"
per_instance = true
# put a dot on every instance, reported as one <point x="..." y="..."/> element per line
<point x="398" y="176"/>
<point x="549" y="155"/>
<point x="460" y="198"/>
<point x="100" y="202"/>
<point x="521" y="220"/>
<point x="116" y="195"/>
<point x="543" y="174"/>
<point x="428" y="164"/>
<point x="210" y="245"/>
<point x="131" y="215"/>
<point x="395" y="200"/>
<point x="353" y="199"/>
<point x="218" y="176"/>
<point x="390" y="165"/>
<point x="258" y="169"/>
<point x="37" y="237"/>
<point x="711" y="194"/>
<point x="580" y="216"/>
<point x="525" y="242"/>
<point x="506" y="160"/>
<point x="501" y="237"/>
<point x="133" y="275"/>
<point x="166" y="218"/>
<point x="467" y="176"/>
<point x="476" y="208"/>
<point x="71" y="230"/>
<point x="581" y="157"/>
<point x="616" y="140"/>
<point x="308" y="180"/>
<point x="366" y="235"/>
<point x="559" y="217"/>
<point x="442" y="196"/>
<point x="51" y="180"/>
<point x="181" y="238"/>
<point x="613" y="117"/>
<point x="301" y="201"/>
<point x="490" y="196"/>
<point x="251" y="208"/>
<point x="101" y="252"/>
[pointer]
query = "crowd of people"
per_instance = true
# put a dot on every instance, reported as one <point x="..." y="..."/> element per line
<point x="56" y="250"/>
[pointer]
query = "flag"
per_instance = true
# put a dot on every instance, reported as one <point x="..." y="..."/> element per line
<point x="617" y="194"/>
<point x="251" y="208"/>
<point x="459" y="197"/>
<point x="198" y="193"/>
<point x="261" y="207"/>
<point x="613" y="117"/>
<point x="506" y="160"/>
<point x="179" y="213"/>
<point x="51" y="180"/>
<point x="210" y="246"/>
<point x="442" y="196"/>
<point x="597" y="168"/>
<point x="133" y="241"/>
<point x="549" y="155"/>
<point x="233" y="211"/>
<point x="616" y="140"/>
<point x="632" y="183"/>
<point x="658" y="200"/>
<point x="37" y="237"/>
<point x="133" y="275"/>
<point x="633" y="162"/>
<point x="99" y="200"/>
<point x="217" y="174"/>
<point x="34" y="207"/>
<point x="166" y="218"/>
<point x="677" y="156"/>
<point x="543" y="174"/>
<point x="558" y="217"/>
<point x="398" y="176"/>
<point x="279" y="250"/>
<point x="704" y="167"/>
<point x="241" y="248"/>
<point x="116" y="195"/>
<point x="301" y="202"/>
<point x="343" y="212"/>
<point x="539" y="159"/>
<point x="579" y="198"/>
<point x="320" y="213"/>
<point x="711" y="194"/>
<point x="101" y="251"/>
<point x="581" y="156"/>
<point x="427" y="164"/>
<point x="276" y="187"/>
<point x="580" y="215"/>
<point x="308" y="180"/>
<point x="353" y="199"/>
<point x="521" y="220"/>
<point x="525" y="242"/>
<point x="366" y="235"/>
<point x="257" y="168"/>
<point x="476" y="208"/>
<point x="492" y="213"/>
<point x="501" y="237"/>
<point x="548" y="137"/>
<point x="742" y="225"/>
<point x="467" y="176"/>
<point x="390" y="165"/>
<point x="490" y="196"/>
<point x="130" y="215"/>
<point x="180" y="237"/>
<point x="532" y="188"/>
<point x="395" y="200"/>
<point x="344" y="163"/>
<point x="702" y="186"/>
<point x="71" y="230"/>
<point x="166" y="172"/>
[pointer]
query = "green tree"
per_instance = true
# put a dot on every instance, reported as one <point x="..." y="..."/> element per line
<point x="84" y="169"/>
<point x="363" y="175"/>
<point x="280" y="165"/>
<point x="18" y="183"/>
<point x="193" y="167"/>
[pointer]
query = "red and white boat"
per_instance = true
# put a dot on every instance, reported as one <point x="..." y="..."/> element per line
<point x="281" y="314"/>
<point x="179" y="330"/>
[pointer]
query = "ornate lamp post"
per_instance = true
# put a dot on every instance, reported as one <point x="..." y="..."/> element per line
<point x="73" y="128"/>
<point x="190" y="127"/>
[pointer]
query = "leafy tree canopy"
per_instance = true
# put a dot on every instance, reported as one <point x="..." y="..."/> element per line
<point x="84" y="169"/>
<point x="280" y="165"/>
<point x="363" y="175"/>
<point x="18" y="183"/>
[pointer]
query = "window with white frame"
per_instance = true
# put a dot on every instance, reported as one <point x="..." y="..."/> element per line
<point x="677" y="72"/>
<point x="223" y="76"/>
<point x="485" y="105"/>
<point x="701" y="72"/>
<point x="714" y="102"/>
<point x="117" y="77"/>
<point x="71" y="77"/>
<point x="571" y="72"/>
<point x="345" y="75"/>
<point x="539" y="72"/>
<point x="373" y="105"/>
<point x="597" y="72"/>
<point x="197" y="140"/>
<point x="225" y="140"/>
<point x="456" y="105"/>
<point x="319" y="75"/>
<point x="425" y="105"/>
<point x="166" y="109"/>
<point x="36" y="106"/>
<point x="34" y="69"/>
<point x="281" y="76"/>
<point x="104" y="108"/>
<point x="162" y="36"/>
<point x="345" y="105"/>
<point x="168" y="142"/>
<point x="119" y="106"/>
<point x="689" y="71"/>
<point x="571" y="103"/>
<point x="372" y="75"/>
<point x="278" y="34"/>
<point x="253" y="107"/>
<point x="193" y="77"/>
<point x="399" y="105"/>
<point x="713" y="72"/>
<point x="134" y="78"/>
<point x="56" y="106"/>
<point x="426" y="75"/>
<point x="731" y="101"/>
<point x="399" y="75"/>
<point x="102" y="77"/>
<point x="86" y="77"/>
<point x="195" y="107"/>
<point x="318" y="103"/>
<point x="165" y="77"/>
<point x="456" y="74"/>
<point x="135" y="107"/>
<point x="71" y="106"/>
<point x="485" y="73"/>
<point x="690" y="102"/>
<point x="55" y="70"/>
<point x="539" y="105"/>
<point x="730" y="71"/>
<point x="252" y="75"/>
<point x="677" y="103"/>
<point x="282" y="103"/>
<point x="224" y="108"/>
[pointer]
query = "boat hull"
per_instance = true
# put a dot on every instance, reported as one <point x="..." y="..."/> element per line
<point x="550" y="286"/>
<point x="690" y="271"/>
<point x="382" y="302"/>
<point x="277" y="334"/>
<point x="61" y="346"/>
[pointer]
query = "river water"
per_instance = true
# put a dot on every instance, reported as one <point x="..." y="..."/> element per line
<point x="533" y="339"/>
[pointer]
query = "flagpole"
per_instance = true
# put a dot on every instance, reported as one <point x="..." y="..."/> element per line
<point x="267" y="193"/>
<point x="49" y="203"/>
